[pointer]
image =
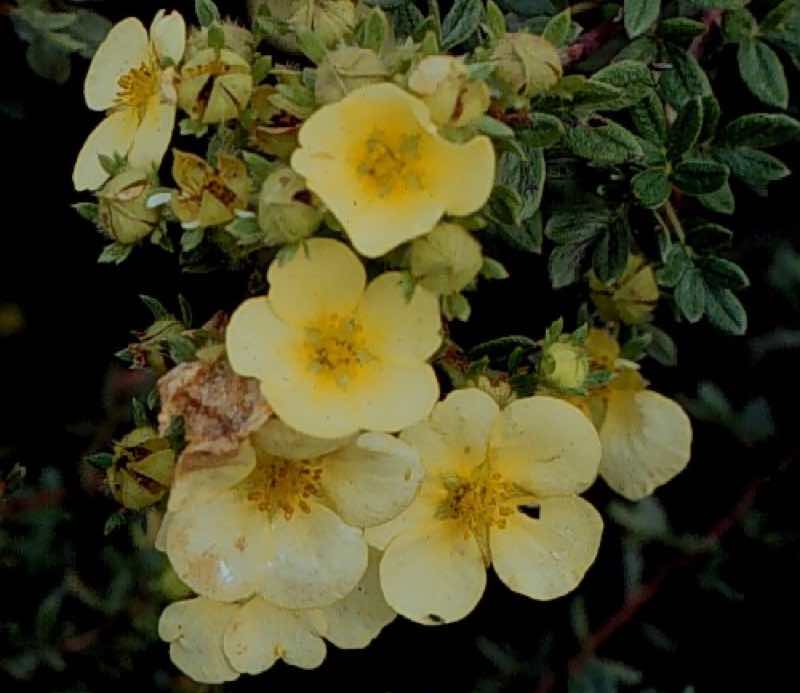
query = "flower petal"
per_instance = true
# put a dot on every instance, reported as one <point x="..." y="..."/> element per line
<point x="312" y="560"/>
<point x="168" y="35"/>
<point x="256" y="339"/>
<point x="355" y="621"/>
<point x="467" y="173"/>
<point x="114" y="134"/>
<point x="422" y="511"/>
<point x="455" y="438"/>
<point x="277" y="439"/>
<point x="323" y="279"/>
<point x="399" y="329"/>
<point x="194" y="628"/>
<point x="153" y="136"/>
<point x="125" y="47"/>
<point x="260" y="634"/>
<point x="219" y="548"/>
<point x="547" y="557"/>
<point x="647" y="440"/>
<point x="371" y="480"/>
<point x="433" y="575"/>
<point x="546" y="446"/>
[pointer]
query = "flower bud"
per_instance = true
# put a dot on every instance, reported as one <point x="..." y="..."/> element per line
<point x="285" y="213"/>
<point x="443" y="83"/>
<point x="141" y="471"/>
<point x="345" y="69"/>
<point x="499" y="389"/>
<point x="526" y="65"/>
<point x="564" y="366"/>
<point x="215" y="86"/>
<point x="208" y="196"/>
<point x="446" y="260"/>
<point x="632" y="298"/>
<point x="274" y="131"/>
<point x="122" y="207"/>
<point x="237" y="39"/>
<point x="330" y="20"/>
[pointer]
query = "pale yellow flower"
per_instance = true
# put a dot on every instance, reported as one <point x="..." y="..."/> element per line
<point x="500" y="488"/>
<point x="376" y="160"/>
<point x="333" y="355"/>
<point x="632" y="298"/>
<point x="283" y="517"/>
<point x="215" y="642"/>
<point x="646" y="437"/>
<point x="131" y="78"/>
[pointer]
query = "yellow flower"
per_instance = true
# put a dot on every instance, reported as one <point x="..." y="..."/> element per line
<point x="282" y="517"/>
<point x="208" y="197"/>
<point x="376" y="160"/>
<point x="632" y="298"/>
<point x="646" y="437"/>
<point x="500" y="488"/>
<point x="333" y="356"/>
<point x="215" y="642"/>
<point x="129" y="80"/>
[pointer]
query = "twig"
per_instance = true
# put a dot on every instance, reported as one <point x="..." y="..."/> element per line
<point x="677" y="227"/>
<point x="711" y="18"/>
<point x="592" y="41"/>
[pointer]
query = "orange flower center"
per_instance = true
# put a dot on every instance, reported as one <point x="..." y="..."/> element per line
<point x="280" y="485"/>
<point x="336" y="348"/>
<point x="137" y="86"/>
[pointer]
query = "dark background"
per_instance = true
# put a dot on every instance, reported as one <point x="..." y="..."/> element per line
<point x="727" y="616"/>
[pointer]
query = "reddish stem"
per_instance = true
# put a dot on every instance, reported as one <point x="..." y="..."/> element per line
<point x="592" y="41"/>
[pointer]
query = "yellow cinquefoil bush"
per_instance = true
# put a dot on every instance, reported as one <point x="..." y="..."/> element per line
<point x="377" y="161"/>
<point x="500" y="489"/>
<point x="132" y="78"/>
<point x="281" y="518"/>
<point x="333" y="354"/>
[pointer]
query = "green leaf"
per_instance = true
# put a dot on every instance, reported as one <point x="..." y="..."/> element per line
<point x="652" y="187"/>
<point x="680" y="30"/>
<point x="685" y="131"/>
<point x="493" y="269"/>
<point x="373" y="31"/>
<point x="115" y="253"/>
<point x="565" y="264"/>
<point x="720" y="272"/>
<point x="406" y="18"/>
<point x="311" y="45"/>
<point x="571" y="225"/>
<point x="707" y="237"/>
<point x="495" y="20"/>
<point x="777" y="18"/>
<point x="643" y="49"/>
<point x="699" y="176"/>
<point x="720" y="201"/>
<point x="633" y="78"/>
<point x="156" y="308"/>
<point x="609" y="143"/>
<point x="558" y="29"/>
<point x="762" y="130"/>
<point x="661" y="346"/>
<point x="216" y="37"/>
<point x="650" y="119"/>
<point x="763" y="73"/>
<point x="611" y="253"/>
<point x="725" y="311"/>
<point x="88" y="210"/>
<point x="545" y="130"/>
<point x="640" y="15"/>
<point x="181" y="348"/>
<point x="191" y="238"/>
<point x="690" y="295"/>
<point x="461" y="22"/>
<point x="524" y="178"/>
<point x="139" y="413"/>
<point x="262" y="66"/>
<point x="752" y="166"/>
<point x="738" y="25"/>
<point x="711" y="114"/>
<point x="101" y="460"/>
<point x="493" y="127"/>
<point x="207" y="12"/>
<point x="526" y="237"/>
<point x="685" y="80"/>
<point x="676" y="264"/>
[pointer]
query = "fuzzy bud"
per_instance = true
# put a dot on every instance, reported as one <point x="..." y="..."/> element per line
<point x="330" y="20"/>
<point x="526" y="65"/>
<point x="283" y="213"/>
<point x="345" y="69"/>
<point x="446" y="260"/>
<point x="564" y="366"/>
<point x="122" y="207"/>
<point x="237" y="39"/>
<point x="443" y="83"/>
<point x="141" y="472"/>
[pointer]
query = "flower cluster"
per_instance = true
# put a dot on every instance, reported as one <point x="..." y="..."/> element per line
<point x="313" y="474"/>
